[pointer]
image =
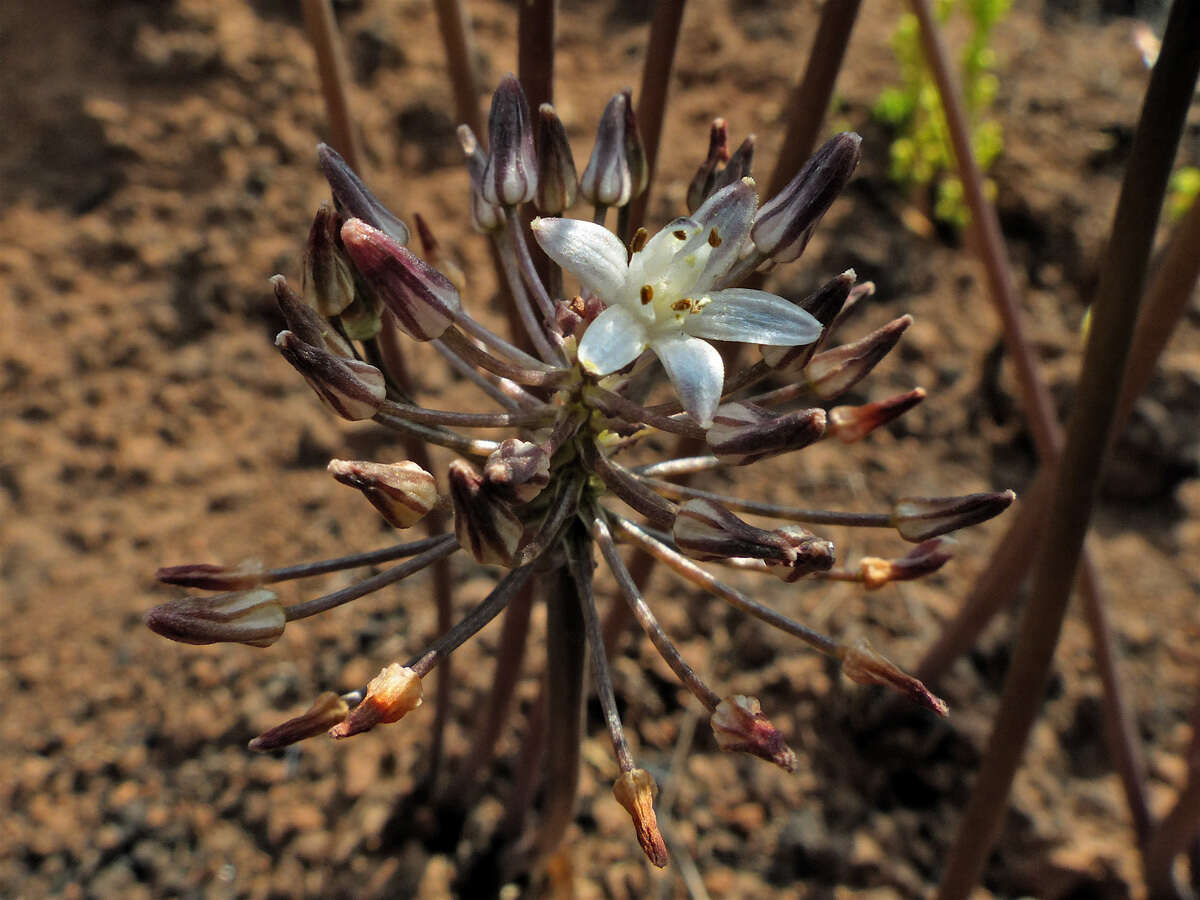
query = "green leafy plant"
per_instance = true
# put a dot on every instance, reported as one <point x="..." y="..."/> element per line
<point x="921" y="153"/>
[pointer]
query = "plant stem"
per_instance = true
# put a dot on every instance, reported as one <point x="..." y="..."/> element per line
<point x="331" y="65"/>
<point x="1172" y="84"/>
<point x="460" y="60"/>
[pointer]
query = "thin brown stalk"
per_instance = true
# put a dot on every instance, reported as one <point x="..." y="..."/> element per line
<point x="535" y="50"/>
<point x="1172" y="84"/>
<point x="335" y="78"/>
<point x="453" y="23"/>
<point x="1171" y="838"/>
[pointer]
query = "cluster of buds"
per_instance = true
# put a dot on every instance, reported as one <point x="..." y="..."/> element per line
<point x="548" y="497"/>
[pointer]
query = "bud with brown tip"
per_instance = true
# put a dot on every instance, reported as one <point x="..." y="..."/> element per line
<point x="743" y="433"/>
<point x="421" y="298"/>
<point x="558" y="183"/>
<point x="853" y="423"/>
<point x="924" y="559"/>
<point x="635" y="790"/>
<point x="485" y="525"/>
<point x="921" y="518"/>
<point x="253" y="617"/>
<point x="209" y="577"/>
<point x="304" y="321"/>
<point x="832" y="373"/>
<point x="352" y="389"/>
<point x="863" y="665"/>
<point x="403" y="492"/>
<point x="785" y="223"/>
<point x="706" y="530"/>
<point x="823" y="304"/>
<point x="517" y="471"/>
<point x="391" y="695"/>
<point x="809" y="554"/>
<point x="485" y="217"/>
<point x="352" y="197"/>
<point x="327" y="710"/>
<point x="510" y="177"/>
<point x="701" y="185"/>
<point x="606" y="181"/>
<point x="740" y="727"/>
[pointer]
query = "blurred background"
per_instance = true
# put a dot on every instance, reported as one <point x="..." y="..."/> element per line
<point x="157" y="166"/>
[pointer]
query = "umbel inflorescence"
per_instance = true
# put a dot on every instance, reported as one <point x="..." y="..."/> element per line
<point x="555" y="493"/>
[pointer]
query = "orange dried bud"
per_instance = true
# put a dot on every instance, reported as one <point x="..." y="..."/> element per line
<point x="863" y="665"/>
<point x="635" y="790"/>
<point x="740" y="726"/>
<point x="253" y="617"/>
<point x="327" y="710"/>
<point x="392" y="694"/>
<point x="925" y="558"/>
<point x="209" y="577"/>
<point x="403" y="492"/>
<point x="853" y="423"/>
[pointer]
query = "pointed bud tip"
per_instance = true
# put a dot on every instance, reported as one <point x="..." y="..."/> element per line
<point x="739" y="726"/>
<point x="635" y="791"/>
<point x="391" y="695"/>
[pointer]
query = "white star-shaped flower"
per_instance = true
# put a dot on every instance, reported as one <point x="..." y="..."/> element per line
<point x="663" y="297"/>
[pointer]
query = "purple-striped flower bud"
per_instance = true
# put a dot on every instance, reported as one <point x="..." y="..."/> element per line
<point x="485" y="525"/>
<point x="853" y="423"/>
<point x="304" y="321"/>
<point x="421" y="298"/>
<point x="353" y="199"/>
<point x="558" y="184"/>
<point x="863" y="665"/>
<point x="607" y="180"/>
<point x="403" y="492"/>
<point x="823" y="304"/>
<point x="327" y="273"/>
<point x="352" y="389"/>
<point x="209" y="577"/>
<point x="920" y="518"/>
<point x="485" y="217"/>
<point x="739" y="726"/>
<point x="809" y="554"/>
<point x="785" y="223"/>
<point x="743" y="433"/>
<point x="327" y="710"/>
<point x="253" y="617"/>
<point x="635" y="150"/>
<point x="740" y="165"/>
<point x="706" y="530"/>
<point x="701" y="185"/>
<point x="832" y="373"/>
<point x="925" y="558"/>
<point x="510" y="177"/>
<point x="635" y="790"/>
<point x="391" y="695"/>
<point x="517" y="471"/>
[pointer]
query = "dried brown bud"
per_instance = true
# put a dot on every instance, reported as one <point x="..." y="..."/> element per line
<point x="853" y="423"/>
<point x="403" y="492"/>
<point x="743" y="433"/>
<point x="511" y="175"/>
<point x="635" y="790"/>
<point x="706" y="530"/>
<point x="392" y="694"/>
<point x="352" y="389"/>
<point x="304" y="321"/>
<point x="921" y="518"/>
<point x="327" y="272"/>
<point x="517" y="471"/>
<point x="740" y="165"/>
<point x="823" y="304"/>
<point x="862" y="665"/>
<point x="485" y="525"/>
<point x="635" y="151"/>
<point x="253" y="617"/>
<point x="925" y="558"/>
<point x="740" y="727"/>
<point x="353" y="199"/>
<point x="701" y="185"/>
<point x="327" y="710"/>
<point x="209" y="577"/>
<point x="832" y="373"/>
<point x="810" y="554"/>
<point x="558" y="184"/>
<point x="606" y="181"/>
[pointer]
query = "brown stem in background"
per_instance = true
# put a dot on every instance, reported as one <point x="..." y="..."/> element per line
<point x="535" y="50"/>
<point x="1172" y="84"/>
<point x="1171" y="838"/>
<point x="652" y="98"/>
<point x="810" y="98"/>
<point x="453" y="23"/>
<point x="334" y="75"/>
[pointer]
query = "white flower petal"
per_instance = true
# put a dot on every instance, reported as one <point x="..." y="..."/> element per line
<point x="590" y="252"/>
<point x="613" y="340"/>
<point x="651" y="262"/>
<point x="727" y="214"/>
<point x="753" y="317"/>
<point x="695" y="369"/>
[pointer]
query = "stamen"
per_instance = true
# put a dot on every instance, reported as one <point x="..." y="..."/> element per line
<point x="639" y="241"/>
<point x="715" y="240"/>
<point x="679" y="234"/>
<point x="647" y="294"/>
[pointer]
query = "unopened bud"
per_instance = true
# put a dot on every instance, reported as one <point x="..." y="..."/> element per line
<point x="862" y="665"/>
<point x="327" y="273"/>
<point x="743" y="433"/>
<point x="925" y="558"/>
<point x="392" y="694"/>
<point x="740" y="165"/>
<point x="606" y="181"/>
<point x="702" y="182"/>
<point x="517" y="471"/>
<point x="352" y="198"/>
<point x="253" y="617"/>
<point x="832" y="373"/>
<point x="558" y="184"/>
<point x="432" y="249"/>
<point x="421" y="298"/>
<point x="209" y="577"/>
<point x="304" y="321"/>
<point x="823" y="304"/>
<point x="510" y="177"/>
<point x="352" y="389"/>
<point x="740" y="727"/>
<point x="853" y="423"/>
<point x="635" y="790"/>
<point x="786" y="222"/>
<point x="706" y="530"/>
<point x="810" y="554"/>
<point x="485" y="525"/>
<point x="921" y="518"/>
<point x="635" y="151"/>
<point x="403" y="492"/>
<point x="327" y="710"/>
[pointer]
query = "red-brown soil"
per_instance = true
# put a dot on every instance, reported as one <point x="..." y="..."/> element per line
<point x="157" y="166"/>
